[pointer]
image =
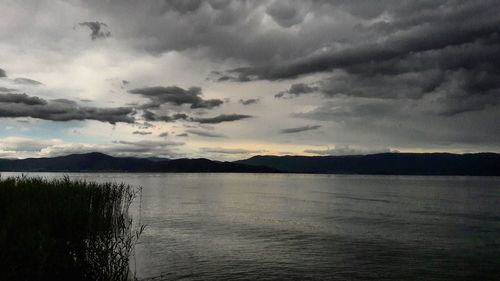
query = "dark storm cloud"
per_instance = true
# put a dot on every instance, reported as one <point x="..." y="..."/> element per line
<point x="221" y="118"/>
<point x="454" y="25"/>
<point x="22" y="105"/>
<point x="251" y="31"/>
<point x="21" y="99"/>
<point x="297" y="90"/>
<point x="182" y="135"/>
<point x="98" y="29"/>
<point x="249" y="101"/>
<point x="286" y="13"/>
<point x="205" y="134"/>
<point x="175" y="96"/>
<point x="164" y="134"/>
<point x="449" y="50"/>
<point x="442" y="57"/>
<point x="183" y="6"/>
<point x="299" y="129"/>
<point x="3" y="73"/>
<point x="151" y="116"/>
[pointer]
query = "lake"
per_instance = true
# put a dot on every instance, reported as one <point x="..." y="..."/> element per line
<point x="314" y="227"/>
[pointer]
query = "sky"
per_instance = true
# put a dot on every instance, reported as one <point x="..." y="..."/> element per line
<point x="228" y="80"/>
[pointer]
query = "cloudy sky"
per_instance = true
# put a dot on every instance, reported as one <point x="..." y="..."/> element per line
<point x="231" y="79"/>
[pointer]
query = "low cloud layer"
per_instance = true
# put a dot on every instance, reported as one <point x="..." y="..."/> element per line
<point x="21" y="147"/>
<point x="249" y="101"/>
<point x="221" y="118"/>
<point x="347" y="150"/>
<point x="142" y="133"/>
<point x="299" y="129"/>
<point x="14" y="105"/>
<point x="201" y="133"/>
<point x="27" y="81"/>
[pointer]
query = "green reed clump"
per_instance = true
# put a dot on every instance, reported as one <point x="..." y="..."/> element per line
<point x="64" y="229"/>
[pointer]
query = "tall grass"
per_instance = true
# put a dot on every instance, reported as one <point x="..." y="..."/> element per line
<point x="64" y="229"/>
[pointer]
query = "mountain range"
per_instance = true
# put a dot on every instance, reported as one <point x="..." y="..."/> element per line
<point x="474" y="164"/>
<point x="99" y="162"/>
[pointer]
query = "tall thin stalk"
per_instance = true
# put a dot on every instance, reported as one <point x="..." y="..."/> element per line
<point x="65" y="229"/>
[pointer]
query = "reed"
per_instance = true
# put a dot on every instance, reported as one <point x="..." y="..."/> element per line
<point x="63" y="229"/>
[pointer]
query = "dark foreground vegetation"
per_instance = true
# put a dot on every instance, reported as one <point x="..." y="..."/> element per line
<point x="63" y="229"/>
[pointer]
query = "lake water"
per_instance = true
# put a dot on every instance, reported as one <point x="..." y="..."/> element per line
<point x="315" y="227"/>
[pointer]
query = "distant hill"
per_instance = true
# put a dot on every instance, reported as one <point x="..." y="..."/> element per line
<point x="477" y="164"/>
<point x="99" y="162"/>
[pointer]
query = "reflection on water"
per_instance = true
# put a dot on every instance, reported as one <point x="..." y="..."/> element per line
<point x="315" y="227"/>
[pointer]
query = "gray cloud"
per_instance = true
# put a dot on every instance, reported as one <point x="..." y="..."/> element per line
<point x="98" y="29"/>
<point x="249" y="101"/>
<point x="142" y="133"/>
<point x="183" y="6"/>
<point x="164" y="134"/>
<point x="151" y="116"/>
<point x="286" y="13"/>
<point x="22" y="105"/>
<point x="388" y="73"/>
<point x="245" y="30"/>
<point x="221" y="118"/>
<point x="150" y="143"/>
<point x="205" y="134"/>
<point x="182" y="135"/>
<point x="343" y="109"/>
<point x="3" y="73"/>
<point x="428" y="33"/>
<point x="297" y="90"/>
<point x="26" y="81"/>
<point x="6" y="90"/>
<point x="411" y="51"/>
<point x="175" y="96"/>
<point x="299" y="129"/>
<point x="21" y="99"/>
<point x="19" y="144"/>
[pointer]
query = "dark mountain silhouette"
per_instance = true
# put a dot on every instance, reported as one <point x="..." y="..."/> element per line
<point x="98" y="162"/>
<point x="477" y="164"/>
